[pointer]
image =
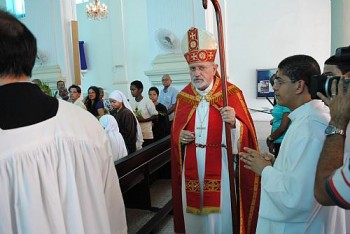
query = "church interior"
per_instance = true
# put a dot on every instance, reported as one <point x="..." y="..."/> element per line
<point x="141" y="40"/>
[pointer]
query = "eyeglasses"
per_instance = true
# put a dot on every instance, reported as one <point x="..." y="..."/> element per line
<point x="278" y="82"/>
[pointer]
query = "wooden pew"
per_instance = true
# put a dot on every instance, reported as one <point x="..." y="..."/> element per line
<point x="136" y="173"/>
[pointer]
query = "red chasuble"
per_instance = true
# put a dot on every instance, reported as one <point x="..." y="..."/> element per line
<point x="249" y="183"/>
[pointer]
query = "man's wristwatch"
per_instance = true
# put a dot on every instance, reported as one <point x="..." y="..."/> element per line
<point x="331" y="130"/>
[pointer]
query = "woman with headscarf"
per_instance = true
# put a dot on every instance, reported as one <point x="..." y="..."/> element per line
<point x="116" y="140"/>
<point x="129" y="126"/>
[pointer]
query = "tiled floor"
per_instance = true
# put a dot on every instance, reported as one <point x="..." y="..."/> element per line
<point x="137" y="218"/>
<point x="161" y="192"/>
<point x="166" y="227"/>
<point x="160" y="195"/>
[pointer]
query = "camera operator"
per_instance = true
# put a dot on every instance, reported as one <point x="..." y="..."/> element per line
<point x="333" y="169"/>
<point x="338" y="64"/>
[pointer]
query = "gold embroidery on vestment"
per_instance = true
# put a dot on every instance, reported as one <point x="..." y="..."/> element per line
<point x="212" y="185"/>
<point x="192" y="185"/>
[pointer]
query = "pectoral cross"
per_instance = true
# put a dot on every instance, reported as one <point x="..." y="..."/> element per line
<point x="200" y="128"/>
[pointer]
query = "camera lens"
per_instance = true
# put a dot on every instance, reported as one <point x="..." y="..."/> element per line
<point x="328" y="85"/>
<point x="323" y="84"/>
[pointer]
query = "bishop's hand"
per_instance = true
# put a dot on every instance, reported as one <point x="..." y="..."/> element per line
<point x="228" y="115"/>
<point x="186" y="136"/>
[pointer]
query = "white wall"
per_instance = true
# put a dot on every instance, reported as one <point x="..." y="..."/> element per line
<point x="175" y="16"/>
<point x="42" y="24"/>
<point x="3" y="4"/>
<point x="260" y="37"/>
<point x="258" y="33"/>
<point x="256" y="37"/>
<point x="117" y="47"/>
<point x="52" y="31"/>
<point x="340" y="24"/>
<point x="137" y="40"/>
<point x="98" y="49"/>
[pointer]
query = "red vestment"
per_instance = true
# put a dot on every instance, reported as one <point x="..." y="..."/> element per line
<point x="249" y="183"/>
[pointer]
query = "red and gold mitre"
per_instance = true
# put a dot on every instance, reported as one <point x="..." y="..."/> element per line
<point x="199" y="46"/>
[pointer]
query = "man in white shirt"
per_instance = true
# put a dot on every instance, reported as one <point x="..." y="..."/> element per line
<point x="287" y="203"/>
<point x="75" y="96"/>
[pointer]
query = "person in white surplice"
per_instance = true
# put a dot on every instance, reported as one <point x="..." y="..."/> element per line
<point x="287" y="203"/>
<point x="56" y="170"/>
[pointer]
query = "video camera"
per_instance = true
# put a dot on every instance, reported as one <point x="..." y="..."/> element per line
<point x="342" y="52"/>
<point x="323" y="84"/>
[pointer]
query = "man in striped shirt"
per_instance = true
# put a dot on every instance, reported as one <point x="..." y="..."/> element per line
<point x="332" y="185"/>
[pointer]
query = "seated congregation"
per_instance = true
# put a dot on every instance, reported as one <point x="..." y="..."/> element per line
<point x="139" y="122"/>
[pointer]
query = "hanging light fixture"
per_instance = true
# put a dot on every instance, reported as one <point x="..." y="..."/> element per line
<point x="96" y="11"/>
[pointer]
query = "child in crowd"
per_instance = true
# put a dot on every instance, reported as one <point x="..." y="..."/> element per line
<point x="144" y="110"/>
<point x="161" y="127"/>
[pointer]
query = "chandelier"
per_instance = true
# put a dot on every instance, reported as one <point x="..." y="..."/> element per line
<point x="96" y="11"/>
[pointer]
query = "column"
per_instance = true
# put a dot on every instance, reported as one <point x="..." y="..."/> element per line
<point x="340" y="33"/>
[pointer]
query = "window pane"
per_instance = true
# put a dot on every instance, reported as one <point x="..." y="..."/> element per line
<point x="16" y="7"/>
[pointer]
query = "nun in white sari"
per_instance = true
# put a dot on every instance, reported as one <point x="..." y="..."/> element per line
<point x="116" y="140"/>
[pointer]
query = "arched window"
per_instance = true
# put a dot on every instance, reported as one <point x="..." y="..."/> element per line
<point x="81" y="1"/>
<point x="16" y="7"/>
